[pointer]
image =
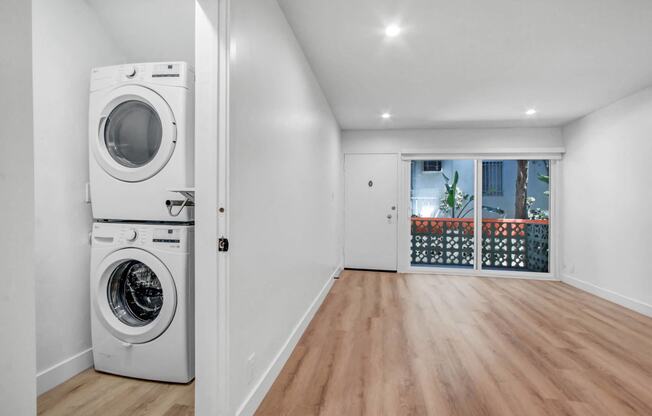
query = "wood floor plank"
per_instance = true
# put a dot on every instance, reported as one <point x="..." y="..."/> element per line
<point x="98" y="394"/>
<point x="398" y="344"/>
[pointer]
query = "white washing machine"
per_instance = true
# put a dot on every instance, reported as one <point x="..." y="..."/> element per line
<point x="142" y="300"/>
<point x="141" y="140"/>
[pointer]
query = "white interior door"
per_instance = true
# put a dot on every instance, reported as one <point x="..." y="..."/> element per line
<point x="371" y="211"/>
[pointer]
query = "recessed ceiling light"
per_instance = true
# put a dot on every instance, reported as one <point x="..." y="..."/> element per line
<point x="386" y="116"/>
<point x="531" y="112"/>
<point x="392" y="30"/>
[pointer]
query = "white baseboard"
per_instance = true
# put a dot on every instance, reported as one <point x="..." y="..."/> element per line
<point x="338" y="272"/>
<point x="261" y="388"/>
<point x="66" y="369"/>
<point x="610" y="295"/>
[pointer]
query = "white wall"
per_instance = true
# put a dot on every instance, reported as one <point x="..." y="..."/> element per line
<point x="150" y="30"/>
<point x="285" y="197"/>
<point x="604" y="202"/>
<point x="17" y="356"/>
<point x="69" y="40"/>
<point x="472" y="140"/>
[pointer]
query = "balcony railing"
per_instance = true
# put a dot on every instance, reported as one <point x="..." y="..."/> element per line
<point x="507" y="244"/>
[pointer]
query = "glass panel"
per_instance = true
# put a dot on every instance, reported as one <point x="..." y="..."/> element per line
<point x="135" y="293"/>
<point x="133" y="134"/>
<point x="442" y="224"/>
<point x="515" y="215"/>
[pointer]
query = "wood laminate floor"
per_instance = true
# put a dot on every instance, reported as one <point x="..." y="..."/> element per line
<point x="393" y="344"/>
<point x="96" y="394"/>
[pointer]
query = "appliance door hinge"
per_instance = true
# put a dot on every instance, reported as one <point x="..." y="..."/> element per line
<point x="223" y="244"/>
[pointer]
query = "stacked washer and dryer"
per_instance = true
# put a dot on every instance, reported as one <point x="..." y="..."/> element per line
<point x="142" y="149"/>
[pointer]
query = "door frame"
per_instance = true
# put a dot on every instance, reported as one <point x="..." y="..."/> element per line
<point x="212" y="42"/>
<point x="404" y="233"/>
<point x="397" y="199"/>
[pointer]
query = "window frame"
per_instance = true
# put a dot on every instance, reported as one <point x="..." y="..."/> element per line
<point x="404" y="264"/>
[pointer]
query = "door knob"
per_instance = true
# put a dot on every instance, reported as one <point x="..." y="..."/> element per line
<point x="389" y="216"/>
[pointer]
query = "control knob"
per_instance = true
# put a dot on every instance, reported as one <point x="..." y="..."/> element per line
<point x="131" y="234"/>
<point x="130" y="71"/>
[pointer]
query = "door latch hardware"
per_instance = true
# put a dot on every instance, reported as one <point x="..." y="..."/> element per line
<point x="223" y="244"/>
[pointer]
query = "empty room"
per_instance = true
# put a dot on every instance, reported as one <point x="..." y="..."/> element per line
<point x="325" y="208"/>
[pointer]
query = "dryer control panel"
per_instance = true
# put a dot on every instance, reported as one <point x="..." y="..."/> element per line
<point x="166" y="70"/>
<point x="173" y="74"/>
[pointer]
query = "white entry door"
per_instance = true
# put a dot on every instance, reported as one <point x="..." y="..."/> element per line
<point x="371" y="211"/>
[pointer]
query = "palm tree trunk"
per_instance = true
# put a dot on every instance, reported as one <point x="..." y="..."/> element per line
<point x="520" y="208"/>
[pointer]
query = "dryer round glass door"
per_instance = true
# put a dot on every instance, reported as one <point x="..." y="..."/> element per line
<point x="135" y="133"/>
<point x="135" y="296"/>
<point x="135" y="293"/>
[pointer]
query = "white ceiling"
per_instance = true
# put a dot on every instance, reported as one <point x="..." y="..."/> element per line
<point x="465" y="63"/>
<point x="150" y="30"/>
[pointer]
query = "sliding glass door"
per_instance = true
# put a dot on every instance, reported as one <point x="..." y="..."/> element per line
<point x="515" y="215"/>
<point x="509" y="198"/>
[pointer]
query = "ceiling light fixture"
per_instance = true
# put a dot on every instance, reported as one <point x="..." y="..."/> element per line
<point x="531" y="112"/>
<point x="392" y="31"/>
<point x="386" y="116"/>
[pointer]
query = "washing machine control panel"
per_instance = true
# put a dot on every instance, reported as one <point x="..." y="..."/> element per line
<point x="131" y="236"/>
<point x="167" y="236"/>
<point x="161" y="237"/>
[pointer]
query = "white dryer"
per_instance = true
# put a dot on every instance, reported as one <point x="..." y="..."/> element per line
<point x="142" y="301"/>
<point x="141" y="140"/>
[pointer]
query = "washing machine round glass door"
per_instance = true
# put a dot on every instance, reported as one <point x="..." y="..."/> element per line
<point x="136" y="296"/>
<point x="137" y="133"/>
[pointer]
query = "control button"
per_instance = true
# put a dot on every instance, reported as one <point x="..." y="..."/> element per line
<point x="131" y="235"/>
<point x="130" y="71"/>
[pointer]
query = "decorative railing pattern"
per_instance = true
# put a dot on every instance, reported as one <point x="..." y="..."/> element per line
<point x="508" y="244"/>
<point x="442" y="241"/>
